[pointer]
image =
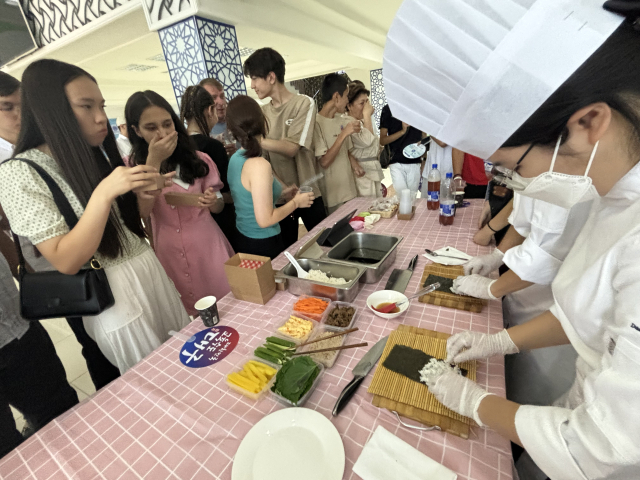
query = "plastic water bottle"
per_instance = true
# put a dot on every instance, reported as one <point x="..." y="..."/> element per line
<point x="433" y="188"/>
<point x="447" y="201"/>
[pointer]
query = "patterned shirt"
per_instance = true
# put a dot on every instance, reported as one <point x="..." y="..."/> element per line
<point x="32" y="212"/>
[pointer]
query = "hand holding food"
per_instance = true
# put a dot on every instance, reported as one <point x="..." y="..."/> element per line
<point x="484" y="264"/>
<point x="475" y="286"/>
<point x="458" y="393"/>
<point x="478" y="345"/>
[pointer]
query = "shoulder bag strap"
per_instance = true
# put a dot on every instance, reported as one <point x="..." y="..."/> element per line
<point x="60" y="200"/>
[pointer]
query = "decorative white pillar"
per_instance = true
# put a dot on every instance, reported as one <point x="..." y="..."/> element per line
<point x="197" y="48"/>
<point x="378" y="97"/>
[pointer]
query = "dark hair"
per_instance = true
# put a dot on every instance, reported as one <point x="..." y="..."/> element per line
<point x="195" y="100"/>
<point x="8" y="84"/>
<point x="333" y="83"/>
<point x="246" y="122"/>
<point x="357" y="88"/>
<point x="264" y="61"/>
<point x="47" y="118"/>
<point x="211" y="81"/>
<point x="191" y="167"/>
<point x="610" y="75"/>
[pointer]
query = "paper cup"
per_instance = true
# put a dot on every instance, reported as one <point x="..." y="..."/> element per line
<point x="207" y="307"/>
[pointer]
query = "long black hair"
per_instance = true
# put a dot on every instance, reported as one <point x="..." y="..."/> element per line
<point x="195" y="100"/>
<point x="47" y="118"/>
<point x="191" y="167"/>
<point x="246" y="122"/>
<point x="610" y="75"/>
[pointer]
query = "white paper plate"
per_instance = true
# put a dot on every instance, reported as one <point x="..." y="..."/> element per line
<point x="414" y="150"/>
<point x="290" y="444"/>
<point x="454" y="252"/>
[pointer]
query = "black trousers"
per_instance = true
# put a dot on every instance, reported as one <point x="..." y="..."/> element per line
<point x="33" y="380"/>
<point x="101" y="370"/>
<point x="311" y="217"/>
<point x="266" y="247"/>
<point x="475" y="191"/>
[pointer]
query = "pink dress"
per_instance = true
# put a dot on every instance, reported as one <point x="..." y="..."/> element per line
<point x="190" y="245"/>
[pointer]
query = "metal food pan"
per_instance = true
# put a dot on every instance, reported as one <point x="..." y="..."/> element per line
<point x="376" y="253"/>
<point x="343" y="293"/>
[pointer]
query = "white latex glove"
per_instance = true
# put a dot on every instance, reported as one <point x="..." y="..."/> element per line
<point x="459" y="394"/>
<point x="484" y="264"/>
<point x="474" y="286"/>
<point x="478" y="345"/>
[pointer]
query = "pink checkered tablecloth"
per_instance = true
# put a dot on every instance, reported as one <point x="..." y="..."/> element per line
<point x="163" y="420"/>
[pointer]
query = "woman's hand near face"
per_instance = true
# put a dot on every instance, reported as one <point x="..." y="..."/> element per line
<point x="161" y="148"/>
<point x="368" y="109"/>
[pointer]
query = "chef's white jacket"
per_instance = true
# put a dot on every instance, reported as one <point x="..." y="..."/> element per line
<point x="550" y="232"/>
<point x="596" y="432"/>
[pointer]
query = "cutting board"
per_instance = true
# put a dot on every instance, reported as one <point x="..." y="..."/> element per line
<point x="413" y="400"/>
<point x="449" y="299"/>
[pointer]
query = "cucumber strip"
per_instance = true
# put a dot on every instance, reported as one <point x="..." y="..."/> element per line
<point x="280" y="341"/>
<point x="275" y="350"/>
<point x="268" y="358"/>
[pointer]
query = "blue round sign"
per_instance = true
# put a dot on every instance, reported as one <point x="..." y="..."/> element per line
<point x="209" y="346"/>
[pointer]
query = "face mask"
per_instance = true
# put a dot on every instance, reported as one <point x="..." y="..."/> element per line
<point x="556" y="188"/>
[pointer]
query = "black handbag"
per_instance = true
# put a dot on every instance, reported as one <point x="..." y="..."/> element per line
<point x="53" y="294"/>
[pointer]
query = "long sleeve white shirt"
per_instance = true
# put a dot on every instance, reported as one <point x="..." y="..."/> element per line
<point x="596" y="293"/>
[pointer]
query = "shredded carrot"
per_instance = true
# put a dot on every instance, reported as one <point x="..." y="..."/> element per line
<point x="310" y="305"/>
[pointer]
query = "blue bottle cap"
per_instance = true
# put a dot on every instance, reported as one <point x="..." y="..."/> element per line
<point x="435" y="165"/>
<point x="449" y="175"/>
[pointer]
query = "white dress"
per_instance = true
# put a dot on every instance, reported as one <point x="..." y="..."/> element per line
<point x="539" y="377"/>
<point x="147" y="305"/>
<point x="594" y="431"/>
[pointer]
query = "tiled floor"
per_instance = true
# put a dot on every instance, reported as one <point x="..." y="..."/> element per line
<point x="69" y="351"/>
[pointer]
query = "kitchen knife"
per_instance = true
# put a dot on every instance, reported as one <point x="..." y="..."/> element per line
<point x="399" y="279"/>
<point x="360" y="371"/>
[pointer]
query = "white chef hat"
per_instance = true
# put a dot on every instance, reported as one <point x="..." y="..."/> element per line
<point x="120" y="120"/>
<point x="471" y="72"/>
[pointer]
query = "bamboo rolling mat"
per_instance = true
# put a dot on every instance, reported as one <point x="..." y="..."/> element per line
<point x="412" y="399"/>
<point x="449" y="299"/>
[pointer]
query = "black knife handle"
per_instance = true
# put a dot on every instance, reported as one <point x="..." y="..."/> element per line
<point x="413" y="263"/>
<point x="346" y="394"/>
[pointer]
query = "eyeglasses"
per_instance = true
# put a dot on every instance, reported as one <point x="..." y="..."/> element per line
<point x="502" y="174"/>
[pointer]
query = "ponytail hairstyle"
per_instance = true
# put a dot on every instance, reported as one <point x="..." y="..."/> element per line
<point x="195" y="100"/>
<point x="611" y="75"/>
<point x="247" y="123"/>
<point x="47" y="118"/>
<point x="191" y="166"/>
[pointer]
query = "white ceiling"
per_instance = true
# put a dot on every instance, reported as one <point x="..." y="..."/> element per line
<point x="336" y="35"/>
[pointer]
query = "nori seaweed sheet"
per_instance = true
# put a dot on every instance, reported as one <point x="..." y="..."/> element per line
<point x="408" y="361"/>
<point x="445" y="283"/>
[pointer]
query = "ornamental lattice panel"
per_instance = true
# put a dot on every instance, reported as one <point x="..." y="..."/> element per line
<point x="51" y="20"/>
<point x="378" y="97"/>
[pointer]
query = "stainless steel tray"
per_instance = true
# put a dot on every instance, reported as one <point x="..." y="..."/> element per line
<point x="343" y="293"/>
<point x="376" y="253"/>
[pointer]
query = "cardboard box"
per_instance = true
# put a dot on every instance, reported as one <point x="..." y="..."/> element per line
<point x="255" y="286"/>
<point x="407" y="216"/>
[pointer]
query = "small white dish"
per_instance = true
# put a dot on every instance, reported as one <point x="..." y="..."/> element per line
<point x="386" y="296"/>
